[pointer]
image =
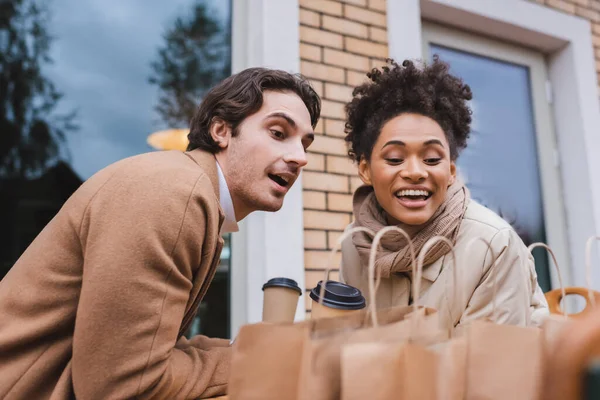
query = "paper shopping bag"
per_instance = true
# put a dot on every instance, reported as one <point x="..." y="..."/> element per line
<point x="386" y="371"/>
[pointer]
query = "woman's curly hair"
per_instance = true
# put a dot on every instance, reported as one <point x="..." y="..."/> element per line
<point x="430" y="91"/>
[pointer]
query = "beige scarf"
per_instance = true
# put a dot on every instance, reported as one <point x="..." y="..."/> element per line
<point x="394" y="253"/>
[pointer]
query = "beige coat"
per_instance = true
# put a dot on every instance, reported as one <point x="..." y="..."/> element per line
<point x="96" y="306"/>
<point x="519" y="299"/>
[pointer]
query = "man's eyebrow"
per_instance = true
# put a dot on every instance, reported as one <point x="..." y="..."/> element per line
<point x="289" y="119"/>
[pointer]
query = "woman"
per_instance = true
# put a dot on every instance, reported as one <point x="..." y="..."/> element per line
<point x="405" y="130"/>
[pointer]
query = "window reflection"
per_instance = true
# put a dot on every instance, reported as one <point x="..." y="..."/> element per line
<point x="500" y="163"/>
<point x="119" y="71"/>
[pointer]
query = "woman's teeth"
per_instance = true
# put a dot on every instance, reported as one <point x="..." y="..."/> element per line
<point x="412" y="193"/>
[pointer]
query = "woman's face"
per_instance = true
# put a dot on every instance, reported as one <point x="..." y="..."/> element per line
<point x="410" y="169"/>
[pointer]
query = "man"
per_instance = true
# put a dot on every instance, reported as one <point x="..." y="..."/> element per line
<point x="97" y="305"/>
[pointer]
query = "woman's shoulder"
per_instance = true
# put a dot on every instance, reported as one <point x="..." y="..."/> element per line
<point x="485" y="220"/>
<point x="481" y="222"/>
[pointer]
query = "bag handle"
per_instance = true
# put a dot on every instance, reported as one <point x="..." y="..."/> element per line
<point x="371" y="271"/>
<point x="560" y="281"/>
<point x="419" y="273"/>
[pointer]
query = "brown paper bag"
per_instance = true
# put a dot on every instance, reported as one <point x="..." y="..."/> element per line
<point x="389" y="371"/>
<point x="403" y="368"/>
<point x="503" y="361"/>
<point x="320" y="376"/>
<point x="267" y="358"/>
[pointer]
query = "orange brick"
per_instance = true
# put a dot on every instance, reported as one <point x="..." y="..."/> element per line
<point x="334" y="127"/>
<point x="314" y="200"/>
<point x="338" y="92"/>
<point x="307" y="302"/>
<point x="587" y="13"/>
<point x="339" y="202"/>
<point x="321" y="259"/>
<point x="595" y="5"/>
<point x="315" y="240"/>
<point x="356" y="78"/>
<point x="322" y="38"/>
<point x="596" y="29"/>
<point x="322" y="72"/>
<point x="328" y="145"/>
<point x="377" y="5"/>
<point x="346" y="60"/>
<point x="325" y="6"/>
<point x="312" y="277"/>
<point x="582" y="2"/>
<point x="562" y="5"/>
<point x="332" y="238"/>
<point x="355" y="183"/>
<point x="319" y="128"/>
<point x="366" y="47"/>
<point x="310" y="52"/>
<point x="326" y="182"/>
<point x="364" y="15"/>
<point x="341" y="165"/>
<point x="596" y="40"/>
<point x="311" y="18"/>
<point x="344" y="26"/>
<point x="357" y="2"/>
<point x="325" y="220"/>
<point x="377" y="63"/>
<point x="316" y="162"/>
<point x="377" y="34"/>
<point x="332" y="109"/>
<point x="318" y="86"/>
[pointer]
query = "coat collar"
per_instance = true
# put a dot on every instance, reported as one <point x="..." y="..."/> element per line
<point x="432" y="271"/>
<point x="208" y="162"/>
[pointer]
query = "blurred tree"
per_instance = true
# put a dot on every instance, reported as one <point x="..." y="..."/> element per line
<point x="196" y="55"/>
<point x="31" y="133"/>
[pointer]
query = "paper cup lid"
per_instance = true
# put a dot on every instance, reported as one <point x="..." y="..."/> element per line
<point x="283" y="282"/>
<point x="339" y="295"/>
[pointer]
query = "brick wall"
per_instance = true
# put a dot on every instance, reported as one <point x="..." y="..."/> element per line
<point x="339" y="43"/>
<point x="340" y="40"/>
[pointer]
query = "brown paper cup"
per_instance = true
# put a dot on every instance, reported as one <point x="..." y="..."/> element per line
<point x="280" y="300"/>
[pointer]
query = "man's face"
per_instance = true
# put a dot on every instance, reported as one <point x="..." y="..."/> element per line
<point x="262" y="162"/>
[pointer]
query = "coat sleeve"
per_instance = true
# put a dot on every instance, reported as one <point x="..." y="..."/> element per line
<point x="518" y="299"/>
<point x="144" y="241"/>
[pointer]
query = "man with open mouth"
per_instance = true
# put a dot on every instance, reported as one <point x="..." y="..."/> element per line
<point x="97" y="306"/>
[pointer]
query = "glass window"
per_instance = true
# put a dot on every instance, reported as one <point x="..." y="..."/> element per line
<point x="82" y="85"/>
<point x="500" y="163"/>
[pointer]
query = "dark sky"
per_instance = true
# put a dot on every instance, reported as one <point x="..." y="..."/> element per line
<point x="102" y="54"/>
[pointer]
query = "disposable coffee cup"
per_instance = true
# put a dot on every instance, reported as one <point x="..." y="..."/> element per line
<point x="338" y="299"/>
<point x="280" y="300"/>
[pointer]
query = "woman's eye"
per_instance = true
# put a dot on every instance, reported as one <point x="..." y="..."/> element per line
<point x="277" y="134"/>
<point x="394" y="160"/>
<point x="432" y="161"/>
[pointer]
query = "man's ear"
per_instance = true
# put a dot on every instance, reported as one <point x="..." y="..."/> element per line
<point x="364" y="171"/>
<point x="452" y="173"/>
<point x="220" y="131"/>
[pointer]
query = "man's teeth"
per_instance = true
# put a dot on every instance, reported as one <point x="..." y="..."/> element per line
<point x="283" y="178"/>
<point x="402" y="193"/>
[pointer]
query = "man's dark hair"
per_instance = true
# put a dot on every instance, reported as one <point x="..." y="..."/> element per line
<point x="240" y="96"/>
<point x="430" y="91"/>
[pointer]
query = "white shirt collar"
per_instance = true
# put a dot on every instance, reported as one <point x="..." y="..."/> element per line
<point x="230" y="223"/>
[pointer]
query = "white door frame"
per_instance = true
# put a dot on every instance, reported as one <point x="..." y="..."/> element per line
<point x="567" y="43"/>
<point x="266" y="33"/>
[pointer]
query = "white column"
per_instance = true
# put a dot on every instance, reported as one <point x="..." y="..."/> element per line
<point x="266" y="33"/>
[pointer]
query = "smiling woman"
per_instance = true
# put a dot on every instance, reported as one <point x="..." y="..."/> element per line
<point x="406" y="129"/>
